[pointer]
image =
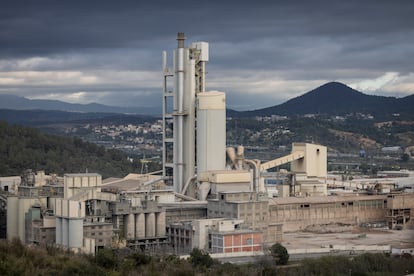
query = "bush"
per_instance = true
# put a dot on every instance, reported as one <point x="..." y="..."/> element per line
<point x="106" y="258"/>
<point x="200" y="258"/>
<point x="279" y="254"/>
<point x="141" y="259"/>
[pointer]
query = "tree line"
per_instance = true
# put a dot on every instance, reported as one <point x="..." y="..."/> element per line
<point x="16" y="259"/>
<point x="28" y="148"/>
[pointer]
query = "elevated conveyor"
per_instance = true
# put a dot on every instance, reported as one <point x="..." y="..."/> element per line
<point x="282" y="160"/>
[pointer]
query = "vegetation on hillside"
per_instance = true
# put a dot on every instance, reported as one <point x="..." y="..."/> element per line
<point x="348" y="135"/>
<point x="16" y="259"/>
<point x="27" y="148"/>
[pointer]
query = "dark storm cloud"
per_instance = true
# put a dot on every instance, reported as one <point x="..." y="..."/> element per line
<point x="277" y="45"/>
<point x="59" y="25"/>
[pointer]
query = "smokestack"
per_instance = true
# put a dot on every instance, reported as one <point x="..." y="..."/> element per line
<point x="180" y="39"/>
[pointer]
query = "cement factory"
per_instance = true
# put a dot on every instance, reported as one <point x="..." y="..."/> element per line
<point x="208" y="196"/>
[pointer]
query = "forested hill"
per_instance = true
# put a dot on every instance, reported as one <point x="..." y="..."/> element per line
<point x="27" y="148"/>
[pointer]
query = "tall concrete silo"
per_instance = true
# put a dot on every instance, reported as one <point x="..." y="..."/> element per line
<point x="211" y="131"/>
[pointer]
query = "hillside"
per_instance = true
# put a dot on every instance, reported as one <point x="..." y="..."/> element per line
<point x="332" y="98"/>
<point x="27" y="148"/>
<point x="21" y="103"/>
<point x="343" y="135"/>
<point x="45" y="117"/>
<point x="335" y="98"/>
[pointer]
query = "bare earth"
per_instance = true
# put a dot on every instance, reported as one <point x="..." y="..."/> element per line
<point x="351" y="236"/>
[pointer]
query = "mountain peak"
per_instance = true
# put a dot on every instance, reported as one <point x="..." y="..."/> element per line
<point x="334" y="84"/>
<point x="334" y="98"/>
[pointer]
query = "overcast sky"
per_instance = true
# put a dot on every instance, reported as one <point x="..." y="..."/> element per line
<point x="262" y="53"/>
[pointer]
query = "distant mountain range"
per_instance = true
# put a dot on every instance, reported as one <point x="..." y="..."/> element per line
<point x="46" y="117"/>
<point x="21" y="103"/>
<point x="333" y="98"/>
<point x="336" y="98"/>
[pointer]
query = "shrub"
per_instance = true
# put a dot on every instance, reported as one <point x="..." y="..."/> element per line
<point x="279" y="254"/>
<point x="200" y="258"/>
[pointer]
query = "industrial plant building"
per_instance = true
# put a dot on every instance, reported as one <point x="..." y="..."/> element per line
<point x="208" y="196"/>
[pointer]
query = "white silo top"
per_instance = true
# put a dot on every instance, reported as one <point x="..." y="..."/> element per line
<point x="211" y="100"/>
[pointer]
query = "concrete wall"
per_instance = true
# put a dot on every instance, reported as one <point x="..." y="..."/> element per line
<point x="76" y="182"/>
<point x="314" y="164"/>
<point x="100" y="232"/>
<point x="296" y="216"/>
<point x="253" y="212"/>
<point x="16" y="210"/>
<point x="401" y="201"/>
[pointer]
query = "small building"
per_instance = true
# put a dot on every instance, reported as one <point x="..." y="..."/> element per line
<point x="236" y="241"/>
<point x="218" y="235"/>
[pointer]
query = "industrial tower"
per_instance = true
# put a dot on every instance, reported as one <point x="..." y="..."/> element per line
<point x="184" y="99"/>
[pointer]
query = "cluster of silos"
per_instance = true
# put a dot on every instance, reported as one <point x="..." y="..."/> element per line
<point x="198" y="117"/>
<point x="144" y="225"/>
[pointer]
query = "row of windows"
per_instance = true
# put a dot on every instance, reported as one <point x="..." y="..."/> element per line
<point x="364" y="203"/>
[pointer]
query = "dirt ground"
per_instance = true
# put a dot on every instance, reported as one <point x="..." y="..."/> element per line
<point x="348" y="236"/>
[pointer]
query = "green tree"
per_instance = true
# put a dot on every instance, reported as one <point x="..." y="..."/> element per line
<point x="279" y="254"/>
<point x="106" y="258"/>
<point x="405" y="157"/>
<point x="200" y="258"/>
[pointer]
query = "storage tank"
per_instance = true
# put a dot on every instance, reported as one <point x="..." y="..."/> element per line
<point x="65" y="232"/>
<point x="59" y="231"/>
<point x="211" y="131"/>
<point x="75" y="233"/>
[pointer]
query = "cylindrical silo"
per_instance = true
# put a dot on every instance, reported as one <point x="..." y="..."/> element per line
<point x="65" y="232"/>
<point x="129" y="224"/>
<point x="75" y="233"/>
<point x="58" y="231"/>
<point x="150" y="225"/>
<point x="211" y="131"/>
<point x="140" y="225"/>
<point x="160" y="224"/>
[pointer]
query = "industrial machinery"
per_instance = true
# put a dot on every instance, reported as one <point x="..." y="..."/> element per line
<point x="193" y="120"/>
<point x="194" y="133"/>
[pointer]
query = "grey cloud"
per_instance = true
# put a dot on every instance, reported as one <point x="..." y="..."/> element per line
<point x="297" y="41"/>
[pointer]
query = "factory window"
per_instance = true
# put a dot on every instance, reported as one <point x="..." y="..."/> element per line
<point x="100" y="240"/>
<point x="100" y="233"/>
<point x="249" y="241"/>
<point x="93" y="234"/>
<point x="222" y="197"/>
<point x="100" y="226"/>
<point x="304" y="206"/>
